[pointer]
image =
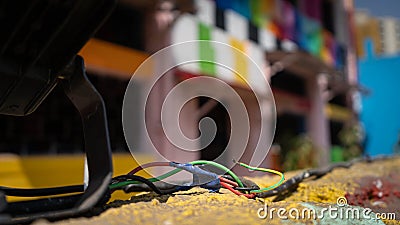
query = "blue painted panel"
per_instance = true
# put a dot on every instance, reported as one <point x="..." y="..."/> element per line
<point x="381" y="109"/>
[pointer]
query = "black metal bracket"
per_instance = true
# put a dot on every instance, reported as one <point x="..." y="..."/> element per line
<point x="98" y="155"/>
<point x="91" y="107"/>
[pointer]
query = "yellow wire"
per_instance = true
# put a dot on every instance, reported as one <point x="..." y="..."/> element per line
<point x="267" y="171"/>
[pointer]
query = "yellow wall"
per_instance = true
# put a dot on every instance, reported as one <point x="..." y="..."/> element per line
<point x="56" y="170"/>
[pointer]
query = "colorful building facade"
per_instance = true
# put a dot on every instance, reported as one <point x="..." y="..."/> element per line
<point x="305" y="49"/>
<point x="308" y="50"/>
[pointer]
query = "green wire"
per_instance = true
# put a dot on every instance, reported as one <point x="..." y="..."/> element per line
<point x="165" y="175"/>
<point x="268" y="171"/>
<point x="219" y="166"/>
<point x="154" y="179"/>
<point x="175" y="171"/>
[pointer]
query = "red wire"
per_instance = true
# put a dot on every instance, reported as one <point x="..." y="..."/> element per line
<point x="147" y="165"/>
<point x="228" y="181"/>
<point x="225" y="185"/>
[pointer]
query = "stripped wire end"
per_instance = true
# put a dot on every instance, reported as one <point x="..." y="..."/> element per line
<point x="267" y="171"/>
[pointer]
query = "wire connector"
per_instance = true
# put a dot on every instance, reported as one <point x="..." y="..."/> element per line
<point x="202" y="178"/>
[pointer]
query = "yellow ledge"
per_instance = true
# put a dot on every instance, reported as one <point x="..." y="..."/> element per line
<point x="106" y="58"/>
<point x="338" y="113"/>
<point x="57" y="170"/>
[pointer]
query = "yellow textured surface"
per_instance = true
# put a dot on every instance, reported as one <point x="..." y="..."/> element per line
<point x="200" y="207"/>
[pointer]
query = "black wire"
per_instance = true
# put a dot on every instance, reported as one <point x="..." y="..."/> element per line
<point x="42" y="205"/>
<point x="246" y="189"/>
<point x="291" y="184"/>
<point x="35" y="192"/>
<point x="248" y="184"/>
<point x="164" y="189"/>
<point x="136" y="178"/>
<point x="162" y="186"/>
<point x="159" y="187"/>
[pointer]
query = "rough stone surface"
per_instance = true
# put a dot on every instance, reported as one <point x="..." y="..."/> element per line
<point x="374" y="185"/>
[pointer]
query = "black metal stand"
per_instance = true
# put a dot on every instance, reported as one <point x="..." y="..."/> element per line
<point x="98" y="154"/>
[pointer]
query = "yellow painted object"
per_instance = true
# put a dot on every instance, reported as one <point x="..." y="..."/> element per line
<point x="338" y="113"/>
<point x="108" y="58"/>
<point x="56" y="170"/>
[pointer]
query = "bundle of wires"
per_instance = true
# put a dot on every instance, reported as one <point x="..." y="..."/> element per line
<point x="134" y="183"/>
<point x="239" y="186"/>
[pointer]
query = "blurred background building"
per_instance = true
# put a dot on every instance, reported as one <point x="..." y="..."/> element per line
<point x="384" y="33"/>
<point x="307" y="49"/>
<point x="378" y="49"/>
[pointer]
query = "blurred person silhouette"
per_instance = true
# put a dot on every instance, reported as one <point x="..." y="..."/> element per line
<point x="396" y="147"/>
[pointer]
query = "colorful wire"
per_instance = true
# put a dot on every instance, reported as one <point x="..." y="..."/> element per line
<point x="221" y="167"/>
<point x="197" y="162"/>
<point x="234" y="184"/>
<point x="225" y="185"/>
<point x="264" y="170"/>
<point x="154" y="179"/>
<point x="147" y="165"/>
